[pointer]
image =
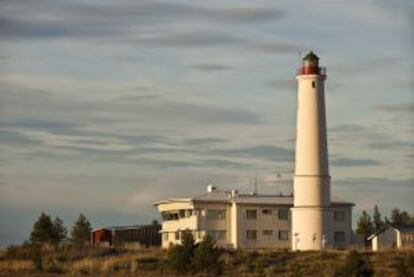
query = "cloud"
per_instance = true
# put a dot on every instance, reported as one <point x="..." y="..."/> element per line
<point x="277" y="48"/>
<point x="203" y="141"/>
<point x="345" y="128"/>
<point x="358" y="67"/>
<point x="191" y="39"/>
<point x="392" y="145"/>
<point x="401" y="108"/>
<point x="209" y="67"/>
<point x="373" y="182"/>
<point x="159" y="110"/>
<point x="265" y="152"/>
<point x="52" y="19"/>
<point x="346" y="162"/>
<point x="289" y="84"/>
<point x="144" y="97"/>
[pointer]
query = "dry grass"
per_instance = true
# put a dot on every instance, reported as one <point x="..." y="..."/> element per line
<point x="16" y="265"/>
<point x="240" y="263"/>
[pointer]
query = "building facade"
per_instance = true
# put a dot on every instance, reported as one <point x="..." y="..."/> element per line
<point x="241" y="221"/>
<point x="132" y="237"/>
<point x="393" y="237"/>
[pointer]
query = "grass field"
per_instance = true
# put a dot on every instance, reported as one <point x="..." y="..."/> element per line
<point x="153" y="262"/>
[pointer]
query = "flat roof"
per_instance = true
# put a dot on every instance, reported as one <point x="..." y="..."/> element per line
<point x="224" y="196"/>
<point x="128" y="227"/>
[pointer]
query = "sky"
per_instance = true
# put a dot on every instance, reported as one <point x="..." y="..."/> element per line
<point x="109" y="106"/>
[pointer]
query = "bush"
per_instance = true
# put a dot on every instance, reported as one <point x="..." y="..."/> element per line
<point x="355" y="265"/>
<point x="147" y="263"/>
<point x="405" y="265"/>
<point x="37" y="256"/>
<point x="179" y="256"/>
<point x="206" y="257"/>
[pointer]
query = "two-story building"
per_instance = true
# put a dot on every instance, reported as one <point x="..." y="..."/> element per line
<point x="245" y="221"/>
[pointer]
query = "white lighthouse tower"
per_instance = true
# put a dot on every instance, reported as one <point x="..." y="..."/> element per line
<point x="311" y="213"/>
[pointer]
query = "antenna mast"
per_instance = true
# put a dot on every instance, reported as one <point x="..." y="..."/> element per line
<point x="255" y="181"/>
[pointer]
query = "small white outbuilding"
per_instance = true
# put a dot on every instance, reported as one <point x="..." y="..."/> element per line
<point x="392" y="237"/>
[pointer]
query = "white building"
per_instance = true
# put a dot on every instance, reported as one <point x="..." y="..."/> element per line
<point x="242" y="220"/>
<point x="253" y="221"/>
<point x="393" y="237"/>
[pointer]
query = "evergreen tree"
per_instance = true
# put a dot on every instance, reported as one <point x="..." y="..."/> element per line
<point x="81" y="232"/>
<point x="206" y="256"/>
<point x="364" y="225"/>
<point x="43" y="231"/>
<point x="400" y="217"/>
<point x="377" y="220"/>
<point x="59" y="231"/>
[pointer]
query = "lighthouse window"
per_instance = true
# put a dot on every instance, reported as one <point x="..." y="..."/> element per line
<point x="313" y="84"/>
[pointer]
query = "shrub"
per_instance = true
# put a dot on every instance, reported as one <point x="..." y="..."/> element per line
<point x="355" y="265"/>
<point x="36" y="256"/>
<point x="179" y="256"/>
<point x="206" y="257"/>
<point x="146" y="263"/>
<point x="405" y="265"/>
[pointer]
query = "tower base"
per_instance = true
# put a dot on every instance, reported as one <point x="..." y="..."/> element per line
<point x="311" y="228"/>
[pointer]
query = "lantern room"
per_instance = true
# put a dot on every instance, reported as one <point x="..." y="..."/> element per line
<point x="310" y="65"/>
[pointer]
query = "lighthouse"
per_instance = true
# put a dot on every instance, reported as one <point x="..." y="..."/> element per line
<point x="311" y="212"/>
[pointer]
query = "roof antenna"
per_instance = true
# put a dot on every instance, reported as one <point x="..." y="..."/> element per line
<point x="278" y="176"/>
<point x="255" y="181"/>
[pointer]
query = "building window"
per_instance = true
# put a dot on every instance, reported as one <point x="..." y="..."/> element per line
<point x="251" y="235"/>
<point x="339" y="216"/>
<point x="165" y="236"/>
<point x="313" y="84"/>
<point x="284" y="214"/>
<point x="172" y="215"/>
<point x="339" y="237"/>
<point x="283" y="235"/>
<point x="217" y="234"/>
<point x="267" y="232"/>
<point x="267" y="211"/>
<point x="177" y="235"/>
<point x="251" y="214"/>
<point x="216" y="214"/>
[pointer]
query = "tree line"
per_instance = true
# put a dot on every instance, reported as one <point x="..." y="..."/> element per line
<point x="53" y="232"/>
<point x="367" y="225"/>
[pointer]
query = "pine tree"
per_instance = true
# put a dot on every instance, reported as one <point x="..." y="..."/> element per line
<point x="59" y="231"/>
<point x="377" y="220"/>
<point x="400" y="217"/>
<point x="43" y="231"/>
<point x="81" y="232"/>
<point x="364" y="225"/>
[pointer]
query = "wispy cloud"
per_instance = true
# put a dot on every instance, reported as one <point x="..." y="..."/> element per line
<point x="209" y="67"/>
<point x="403" y="108"/>
<point x="266" y="152"/>
<point x="346" y="162"/>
